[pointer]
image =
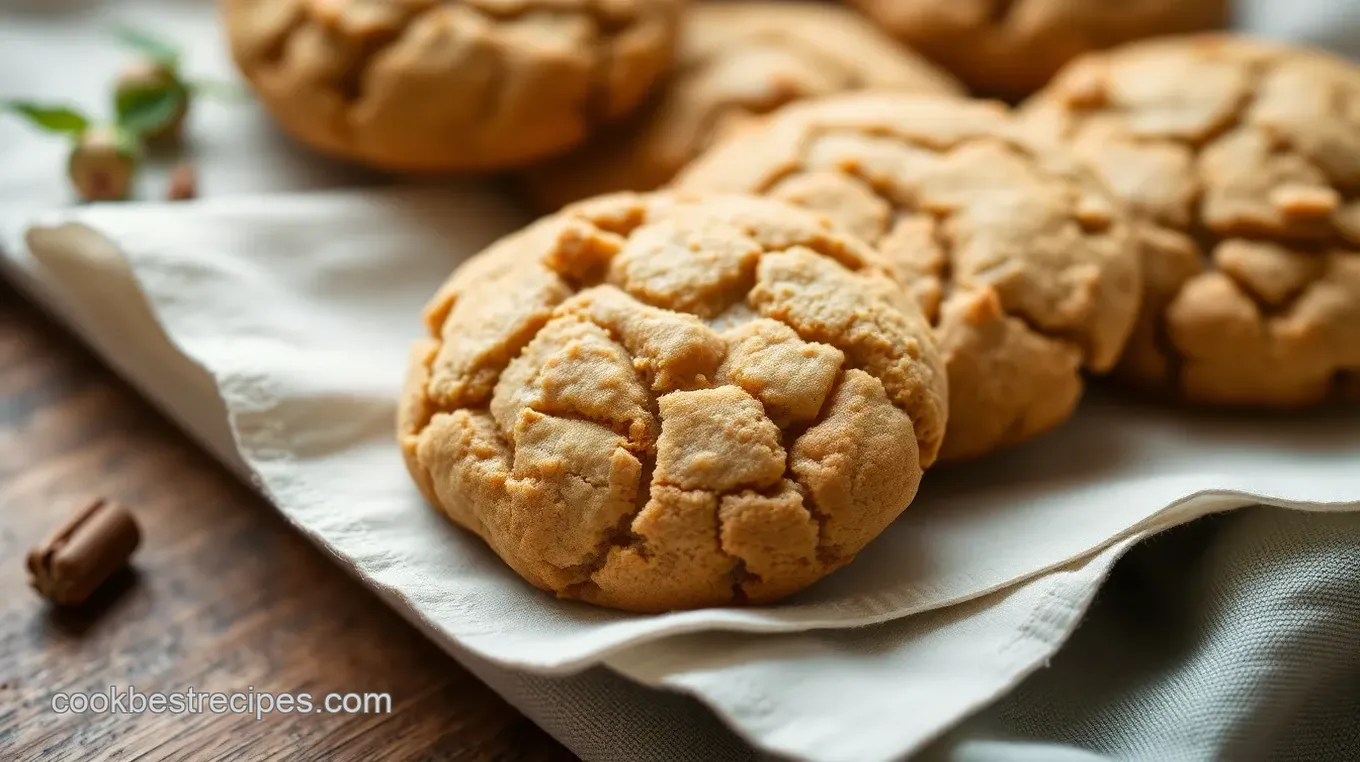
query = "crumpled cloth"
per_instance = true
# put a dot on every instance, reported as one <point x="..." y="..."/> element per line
<point x="273" y="326"/>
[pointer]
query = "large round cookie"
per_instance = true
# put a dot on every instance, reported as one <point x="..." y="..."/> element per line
<point x="663" y="402"/>
<point x="1242" y="161"/>
<point x="1010" y="48"/>
<point x="441" y="85"/>
<point x="736" y="59"/>
<point x="1020" y="258"/>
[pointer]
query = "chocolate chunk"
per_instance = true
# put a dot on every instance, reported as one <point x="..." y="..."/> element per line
<point x="84" y="552"/>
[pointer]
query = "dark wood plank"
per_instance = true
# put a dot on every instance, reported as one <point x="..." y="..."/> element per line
<point x="224" y="596"/>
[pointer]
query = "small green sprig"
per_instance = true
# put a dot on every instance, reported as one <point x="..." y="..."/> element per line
<point x="60" y="119"/>
<point x="151" y="99"/>
<point x="103" y="160"/>
<point x="151" y="96"/>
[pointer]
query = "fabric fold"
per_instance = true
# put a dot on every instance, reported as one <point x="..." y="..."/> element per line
<point x="976" y="586"/>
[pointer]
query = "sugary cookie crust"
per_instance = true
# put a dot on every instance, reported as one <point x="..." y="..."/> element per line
<point x="1016" y="254"/>
<point x="668" y="401"/>
<point x="1010" y="48"/>
<point x="436" y="85"/>
<point x="1241" y="160"/>
<point x="736" y="60"/>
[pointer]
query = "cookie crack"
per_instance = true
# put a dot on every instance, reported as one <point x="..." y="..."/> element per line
<point x="1273" y="311"/>
<point x="272" y="52"/>
<point x="431" y="406"/>
<point x="826" y="555"/>
<point x="848" y="363"/>
<point x="596" y="109"/>
<point x="622" y="428"/>
<point x="495" y="370"/>
<point x="567" y="414"/>
<point x="622" y="227"/>
<point x="792" y="435"/>
<point x="739" y="575"/>
<point x="850" y="77"/>
<point x="944" y="238"/>
<point x="733" y="295"/>
<point x="622" y="536"/>
<point x="350" y="84"/>
<point x="1000" y="12"/>
<point x="600" y="92"/>
<point x="821" y="247"/>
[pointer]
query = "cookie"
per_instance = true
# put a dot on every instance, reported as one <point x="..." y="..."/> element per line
<point x="736" y="59"/>
<point x="1241" y="162"/>
<point x="1010" y="48"/>
<point x="446" y="85"/>
<point x="1022" y="261"/>
<point x="657" y="402"/>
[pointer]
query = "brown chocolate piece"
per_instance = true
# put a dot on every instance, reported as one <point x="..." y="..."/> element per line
<point x="84" y="552"/>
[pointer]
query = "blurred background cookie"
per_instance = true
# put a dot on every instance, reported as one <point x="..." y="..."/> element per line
<point x="736" y="59"/>
<point x="1010" y="48"/>
<point x="609" y="390"/>
<point x="439" y="85"/>
<point x="1018" y="254"/>
<point x="1241" y="162"/>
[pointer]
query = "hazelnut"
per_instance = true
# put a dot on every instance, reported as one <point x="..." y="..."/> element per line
<point x="145" y="79"/>
<point x="102" y="164"/>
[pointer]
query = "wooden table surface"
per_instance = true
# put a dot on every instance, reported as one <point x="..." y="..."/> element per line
<point x="224" y="596"/>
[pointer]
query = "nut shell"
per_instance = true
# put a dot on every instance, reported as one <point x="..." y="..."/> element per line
<point x="103" y="165"/>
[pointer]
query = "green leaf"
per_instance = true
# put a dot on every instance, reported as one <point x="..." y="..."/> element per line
<point x="148" y="109"/>
<point x="58" y="119"/>
<point x="222" y="91"/>
<point x="149" y="45"/>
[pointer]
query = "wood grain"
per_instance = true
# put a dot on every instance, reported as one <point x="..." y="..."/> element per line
<point x="224" y="596"/>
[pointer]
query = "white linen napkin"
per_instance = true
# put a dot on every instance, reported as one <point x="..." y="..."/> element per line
<point x="303" y="335"/>
<point x="288" y="317"/>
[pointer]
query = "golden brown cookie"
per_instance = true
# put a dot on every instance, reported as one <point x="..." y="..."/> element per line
<point x="442" y="85"/>
<point x="1023" y="262"/>
<point x="736" y="60"/>
<point x="1010" y="48"/>
<point x="1241" y="160"/>
<point x="663" y="402"/>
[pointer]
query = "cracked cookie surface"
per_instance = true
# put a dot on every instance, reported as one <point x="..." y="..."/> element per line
<point x="1010" y="48"/>
<point x="1241" y="162"/>
<point x="1019" y="257"/>
<point x="669" y="401"/>
<point x="736" y="60"/>
<point x="443" y="85"/>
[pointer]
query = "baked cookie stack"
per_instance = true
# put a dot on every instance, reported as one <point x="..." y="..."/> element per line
<point x="787" y="264"/>
<point x="1018" y="255"/>
<point x="1240" y="161"/>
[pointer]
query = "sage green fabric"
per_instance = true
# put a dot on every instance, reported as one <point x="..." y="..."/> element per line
<point x="1236" y="637"/>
